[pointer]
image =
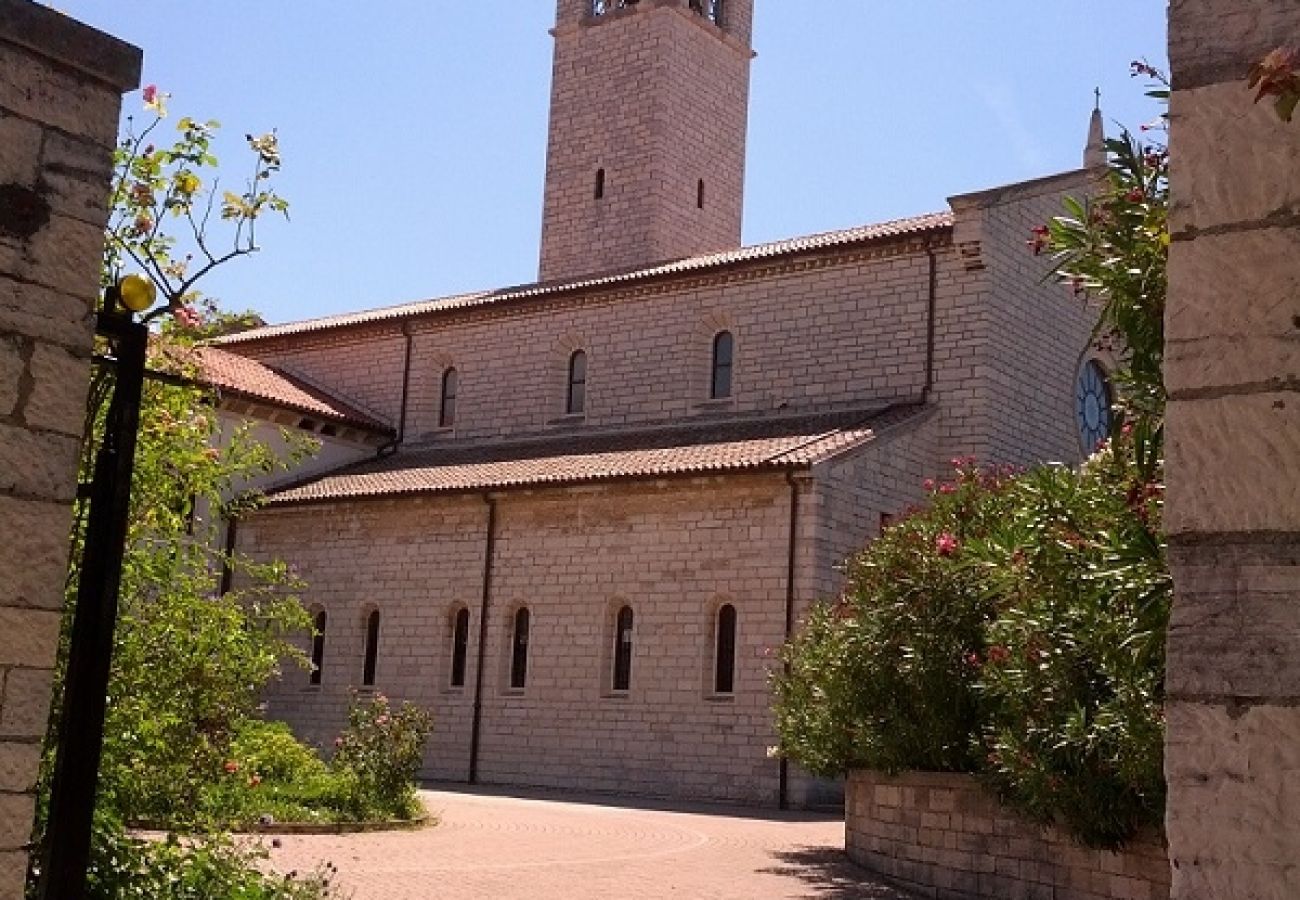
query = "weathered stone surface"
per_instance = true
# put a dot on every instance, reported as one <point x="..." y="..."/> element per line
<point x="1218" y="123"/>
<point x="26" y="702"/>
<point x="46" y="314"/>
<point x="38" y="465"/>
<point x="13" y="363"/>
<point x="20" y="150"/>
<point x="1230" y="285"/>
<point x="74" y="45"/>
<point x="1235" y="629"/>
<point x="1219" y="40"/>
<point x="1232" y="464"/>
<point x="33" y="552"/>
<point x="1233" y="774"/>
<point x="19" y="765"/>
<point x="15" y="821"/>
<point x="60" y="383"/>
<point x="1236" y="363"/>
<point x="13" y="873"/>
<point x="28" y="637"/>
<point x="65" y="255"/>
<point x="76" y="174"/>
<point x="33" y="88"/>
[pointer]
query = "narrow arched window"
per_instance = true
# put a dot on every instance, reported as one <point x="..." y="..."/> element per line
<point x="372" y="649"/>
<point x="724" y="348"/>
<point x="519" y="650"/>
<point x="318" y="646"/>
<point x="724" y="658"/>
<point x="600" y="184"/>
<point x="459" y="647"/>
<point x="623" y="649"/>
<point x="576" y="402"/>
<point x="699" y="194"/>
<point x="447" y="409"/>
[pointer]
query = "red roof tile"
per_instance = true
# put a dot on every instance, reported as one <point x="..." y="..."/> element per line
<point x="926" y="224"/>
<point x="701" y="448"/>
<point x="240" y="376"/>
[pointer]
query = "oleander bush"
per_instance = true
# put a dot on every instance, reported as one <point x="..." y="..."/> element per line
<point x="1013" y="628"/>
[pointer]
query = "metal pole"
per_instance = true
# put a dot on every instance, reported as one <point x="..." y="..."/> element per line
<point x="66" y="853"/>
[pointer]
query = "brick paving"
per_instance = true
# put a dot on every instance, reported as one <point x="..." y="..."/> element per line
<point x="489" y="845"/>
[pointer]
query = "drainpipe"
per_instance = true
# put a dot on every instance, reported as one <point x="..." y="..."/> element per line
<point x="929" y="325"/>
<point x="227" y="568"/>
<point x="391" y="447"/>
<point x="783" y="788"/>
<point x="485" y="604"/>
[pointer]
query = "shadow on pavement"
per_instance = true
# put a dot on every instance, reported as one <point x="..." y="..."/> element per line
<point x="830" y="875"/>
<point x="618" y="801"/>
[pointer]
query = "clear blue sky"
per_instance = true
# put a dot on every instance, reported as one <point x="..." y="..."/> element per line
<point x="414" y="132"/>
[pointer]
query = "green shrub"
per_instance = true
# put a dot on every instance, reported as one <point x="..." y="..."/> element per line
<point x="270" y="751"/>
<point x="383" y="747"/>
<point x="881" y="678"/>
<point x="1014" y="628"/>
<point x="1073" y="676"/>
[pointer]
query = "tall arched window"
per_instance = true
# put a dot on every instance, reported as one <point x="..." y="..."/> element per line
<point x="459" y="647"/>
<point x="372" y="649"/>
<point x="623" y="649"/>
<point x="576" y="403"/>
<point x="318" y="646"/>
<point x="447" y="409"/>
<point x="600" y="184"/>
<point x="519" y="650"/>
<point x="724" y="658"/>
<point x="724" y="348"/>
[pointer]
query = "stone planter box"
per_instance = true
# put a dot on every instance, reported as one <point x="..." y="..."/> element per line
<point x="946" y="837"/>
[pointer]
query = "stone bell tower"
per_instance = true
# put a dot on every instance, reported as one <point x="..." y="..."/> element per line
<point x="646" y="156"/>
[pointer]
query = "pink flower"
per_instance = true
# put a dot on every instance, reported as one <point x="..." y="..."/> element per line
<point x="187" y="318"/>
<point x="231" y="767"/>
<point x="947" y="489"/>
<point x="150" y="93"/>
<point x="999" y="654"/>
<point x="945" y="544"/>
<point x="928" y="484"/>
<point x="382" y="720"/>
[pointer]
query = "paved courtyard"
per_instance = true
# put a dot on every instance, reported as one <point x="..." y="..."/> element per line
<point x="489" y="845"/>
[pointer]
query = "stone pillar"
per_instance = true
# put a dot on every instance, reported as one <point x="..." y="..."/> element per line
<point x="1233" y="514"/>
<point x="60" y="94"/>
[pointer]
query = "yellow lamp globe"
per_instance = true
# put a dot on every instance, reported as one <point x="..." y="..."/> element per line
<point x="137" y="292"/>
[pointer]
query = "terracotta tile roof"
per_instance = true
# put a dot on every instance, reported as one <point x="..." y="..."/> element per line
<point x="240" y="376"/>
<point x="701" y="448"/>
<point x="916" y="225"/>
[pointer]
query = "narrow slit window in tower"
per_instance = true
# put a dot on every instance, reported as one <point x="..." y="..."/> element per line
<point x="318" y="646"/>
<point x="600" y="184"/>
<point x="623" y="649"/>
<point x="372" y="649"/>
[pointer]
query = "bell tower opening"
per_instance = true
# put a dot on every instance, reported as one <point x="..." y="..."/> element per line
<point x="652" y="96"/>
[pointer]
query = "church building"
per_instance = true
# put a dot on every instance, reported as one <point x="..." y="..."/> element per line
<point x="576" y="519"/>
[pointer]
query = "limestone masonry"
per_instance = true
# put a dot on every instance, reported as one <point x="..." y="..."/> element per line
<point x="602" y="502"/>
<point x="60" y="91"/>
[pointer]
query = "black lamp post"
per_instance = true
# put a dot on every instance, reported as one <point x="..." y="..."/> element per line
<point x="66" y="851"/>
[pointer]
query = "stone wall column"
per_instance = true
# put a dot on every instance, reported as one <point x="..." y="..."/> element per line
<point x="60" y="93"/>
<point x="1233" y="373"/>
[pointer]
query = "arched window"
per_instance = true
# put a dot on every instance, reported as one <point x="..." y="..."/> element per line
<point x="623" y="649"/>
<point x="1092" y="404"/>
<point x="372" y="649"/>
<point x="699" y="194"/>
<point x="447" y="409"/>
<point x="724" y="348"/>
<point x="600" y="184"/>
<point x="318" y="646"/>
<point x="459" y="647"/>
<point x="576" y="403"/>
<point x="724" y="657"/>
<point x="519" y="650"/>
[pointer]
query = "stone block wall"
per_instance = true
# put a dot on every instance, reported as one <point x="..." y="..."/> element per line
<point x="672" y="550"/>
<point x="655" y="97"/>
<point x="1233" y="460"/>
<point x="945" y="837"/>
<point x="60" y="92"/>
